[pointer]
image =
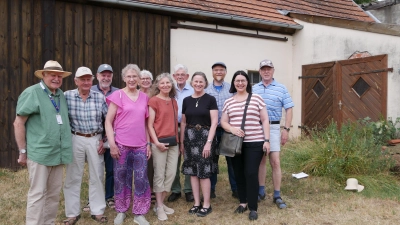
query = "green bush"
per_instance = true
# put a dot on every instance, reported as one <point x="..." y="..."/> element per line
<point x="383" y="130"/>
<point x="352" y="151"/>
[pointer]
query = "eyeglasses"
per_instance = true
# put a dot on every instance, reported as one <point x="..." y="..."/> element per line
<point x="145" y="78"/>
<point x="131" y="77"/>
<point x="219" y="70"/>
<point x="240" y="81"/>
<point x="180" y="74"/>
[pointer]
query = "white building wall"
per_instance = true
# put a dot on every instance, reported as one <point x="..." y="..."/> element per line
<point x="198" y="50"/>
<point x="318" y="43"/>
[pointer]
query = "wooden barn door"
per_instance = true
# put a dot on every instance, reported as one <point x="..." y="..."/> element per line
<point x="344" y="90"/>
<point x="318" y="94"/>
<point x="363" y="88"/>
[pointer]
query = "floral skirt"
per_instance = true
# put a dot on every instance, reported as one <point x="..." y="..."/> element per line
<point x="195" y="164"/>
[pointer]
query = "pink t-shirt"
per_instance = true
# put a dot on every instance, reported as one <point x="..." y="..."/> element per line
<point x="130" y="122"/>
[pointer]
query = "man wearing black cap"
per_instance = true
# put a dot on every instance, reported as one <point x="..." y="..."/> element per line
<point x="220" y="90"/>
<point x="276" y="96"/>
<point x="104" y="76"/>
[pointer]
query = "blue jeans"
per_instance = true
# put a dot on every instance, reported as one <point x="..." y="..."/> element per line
<point x="231" y="174"/>
<point x="108" y="163"/>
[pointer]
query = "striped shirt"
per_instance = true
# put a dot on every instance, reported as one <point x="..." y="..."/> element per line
<point x="220" y="95"/>
<point x="252" y="127"/>
<point x="276" y="96"/>
<point x="86" y="116"/>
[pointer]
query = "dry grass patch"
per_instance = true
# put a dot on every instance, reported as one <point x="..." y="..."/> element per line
<point x="313" y="200"/>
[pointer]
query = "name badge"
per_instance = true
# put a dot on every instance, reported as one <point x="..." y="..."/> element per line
<point x="59" y="119"/>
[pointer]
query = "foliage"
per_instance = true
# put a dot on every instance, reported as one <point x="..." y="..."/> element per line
<point x="383" y="130"/>
<point x="363" y="1"/>
<point x="335" y="154"/>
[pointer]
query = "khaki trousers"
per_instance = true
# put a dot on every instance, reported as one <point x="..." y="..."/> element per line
<point x="85" y="147"/>
<point x="164" y="167"/>
<point x="44" y="193"/>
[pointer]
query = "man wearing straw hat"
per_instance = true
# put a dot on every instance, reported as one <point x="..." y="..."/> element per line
<point x="87" y="110"/>
<point x="43" y="136"/>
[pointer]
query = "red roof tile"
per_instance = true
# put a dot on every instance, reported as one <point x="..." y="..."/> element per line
<point x="267" y="10"/>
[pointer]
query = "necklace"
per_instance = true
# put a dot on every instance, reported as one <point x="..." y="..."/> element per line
<point x="197" y="102"/>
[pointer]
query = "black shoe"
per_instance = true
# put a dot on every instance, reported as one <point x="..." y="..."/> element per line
<point x="174" y="196"/>
<point x="189" y="197"/>
<point x="253" y="215"/>
<point x="235" y="194"/>
<point x="204" y="211"/>
<point x="241" y="209"/>
<point x="261" y="197"/>
<point x="212" y="194"/>
<point x="194" y="209"/>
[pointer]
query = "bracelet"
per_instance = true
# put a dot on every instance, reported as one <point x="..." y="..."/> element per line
<point x="286" y="128"/>
<point x="149" y="144"/>
<point x="266" y="140"/>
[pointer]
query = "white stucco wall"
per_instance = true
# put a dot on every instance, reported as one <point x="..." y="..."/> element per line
<point x="198" y="50"/>
<point x="317" y="43"/>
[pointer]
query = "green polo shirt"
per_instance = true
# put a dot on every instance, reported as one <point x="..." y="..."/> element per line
<point x="48" y="143"/>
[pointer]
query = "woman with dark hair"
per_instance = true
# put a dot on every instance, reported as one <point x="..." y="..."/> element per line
<point x="163" y="123"/>
<point x="198" y="124"/>
<point x="256" y="139"/>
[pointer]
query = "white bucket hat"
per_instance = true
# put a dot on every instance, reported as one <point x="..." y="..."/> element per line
<point x="53" y="66"/>
<point x="352" y="185"/>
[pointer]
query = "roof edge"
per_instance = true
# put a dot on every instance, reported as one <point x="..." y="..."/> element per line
<point x="379" y="28"/>
<point x="173" y="9"/>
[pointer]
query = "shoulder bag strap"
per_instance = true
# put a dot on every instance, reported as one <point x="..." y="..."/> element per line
<point x="245" y="110"/>
<point x="173" y="109"/>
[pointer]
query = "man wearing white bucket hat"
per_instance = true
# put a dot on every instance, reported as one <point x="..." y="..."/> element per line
<point x="43" y="136"/>
<point x="87" y="110"/>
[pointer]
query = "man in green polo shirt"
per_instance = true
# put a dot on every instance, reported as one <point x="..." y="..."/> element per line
<point x="43" y="136"/>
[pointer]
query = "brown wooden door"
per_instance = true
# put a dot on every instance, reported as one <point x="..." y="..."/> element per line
<point x="318" y="89"/>
<point x="363" y="89"/>
<point x="344" y="90"/>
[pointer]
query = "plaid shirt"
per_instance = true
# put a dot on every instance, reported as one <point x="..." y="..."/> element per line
<point x="221" y="96"/>
<point x="86" y="117"/>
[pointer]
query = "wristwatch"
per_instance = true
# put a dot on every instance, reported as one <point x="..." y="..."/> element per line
<point x="22" y="151"/>
<point x="286" y="128"/>
<point x="149" y="144"/>
<point x="209" y="141"/>
<point x="266" y="140"/>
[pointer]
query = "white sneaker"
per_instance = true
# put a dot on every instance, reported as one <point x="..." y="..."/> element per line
<point x="161" y="215"/>
<point x="141" y="220"/>
<point x="167" y="210"/>
<point x="119" y="218"/>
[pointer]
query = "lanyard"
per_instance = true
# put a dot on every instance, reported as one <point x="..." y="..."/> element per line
<point x="57" y="107"/>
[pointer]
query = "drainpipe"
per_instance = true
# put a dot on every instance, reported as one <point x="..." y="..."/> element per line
<point x="174" y="9"/>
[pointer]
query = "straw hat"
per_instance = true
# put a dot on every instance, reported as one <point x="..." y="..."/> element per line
<point x="352" y="185"/>
<point x="53" y="66"/>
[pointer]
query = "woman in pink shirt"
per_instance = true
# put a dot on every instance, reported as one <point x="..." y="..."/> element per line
<point x="126" y="130"/>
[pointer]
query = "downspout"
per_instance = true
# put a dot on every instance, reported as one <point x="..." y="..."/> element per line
<point x="198" y="12"/>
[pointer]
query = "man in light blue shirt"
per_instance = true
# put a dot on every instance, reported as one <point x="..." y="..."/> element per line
<point x="276" y="96"/>
<point x="183" y="90"/>
<point x="220" y="90"/>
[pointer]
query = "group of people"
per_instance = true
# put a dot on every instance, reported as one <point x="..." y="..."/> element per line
<point x="140" y="133"/>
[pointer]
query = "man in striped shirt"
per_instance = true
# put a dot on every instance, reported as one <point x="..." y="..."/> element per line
<point x="276" y="96"/>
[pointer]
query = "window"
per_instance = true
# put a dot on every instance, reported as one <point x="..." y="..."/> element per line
<point x="254" y="76"/>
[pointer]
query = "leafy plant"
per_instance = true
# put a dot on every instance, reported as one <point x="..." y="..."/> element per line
<point x="383" y="130"/>
<point x="339" y="154"/>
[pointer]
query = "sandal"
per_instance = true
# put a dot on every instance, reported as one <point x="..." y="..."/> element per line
<point x="86" y="208"/>
<point x="111" y="203"/>
<point x="204" y="211"/>
<point x="100" y="218"/>
<point x="241" y="209"/>
<point x="194" y="209"/>
<point x="71" y="221"/>
<point x="280" y="203"/>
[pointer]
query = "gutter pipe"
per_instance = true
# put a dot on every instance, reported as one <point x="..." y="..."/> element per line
<point x="174" y="9"/>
